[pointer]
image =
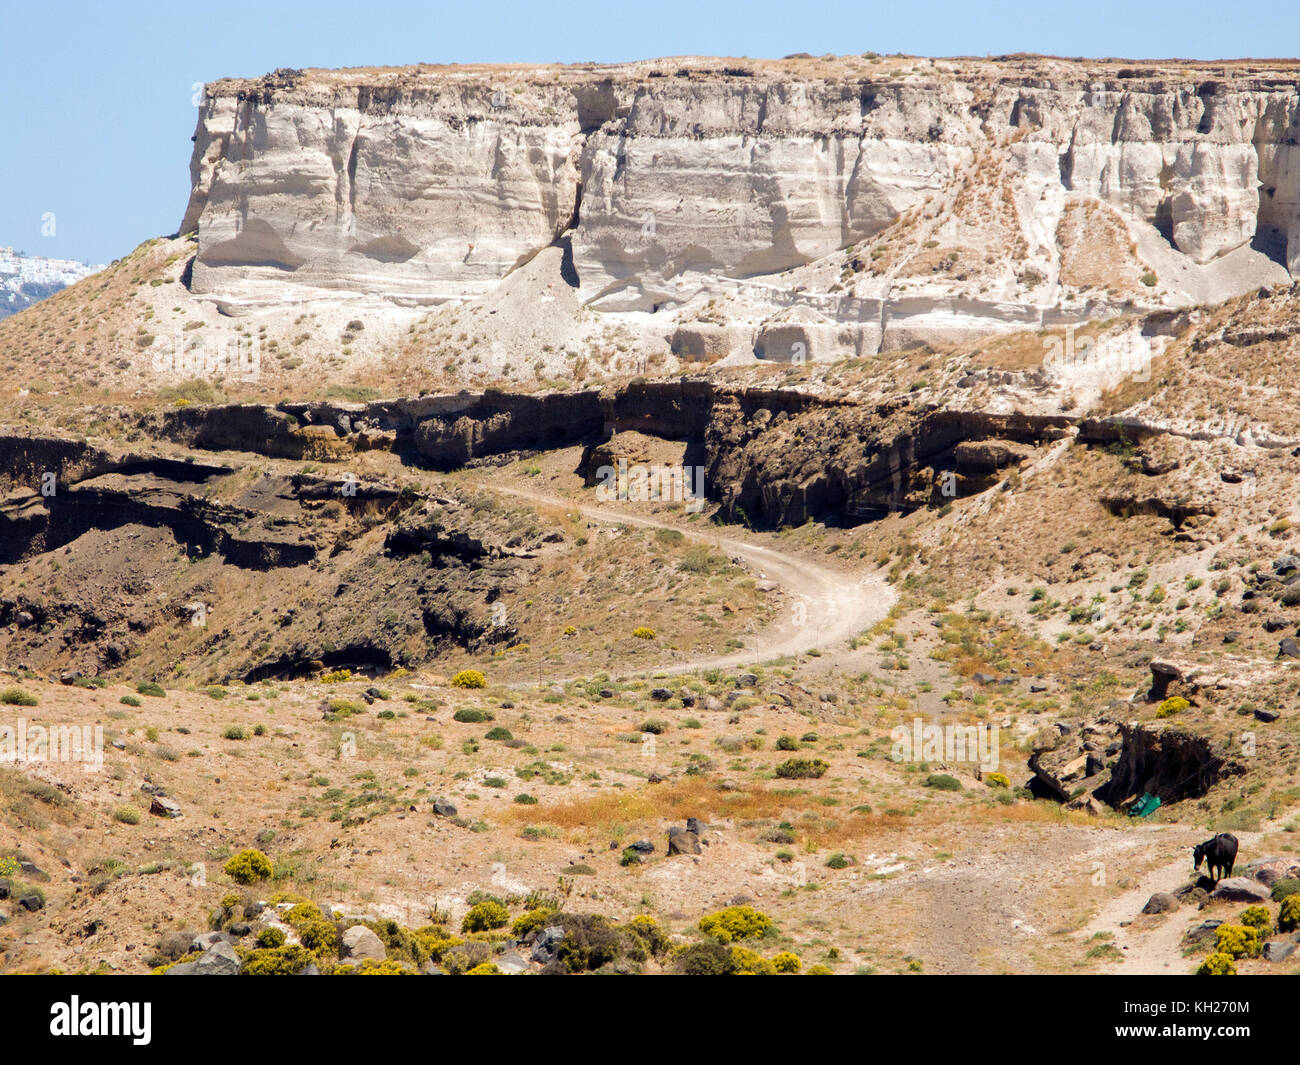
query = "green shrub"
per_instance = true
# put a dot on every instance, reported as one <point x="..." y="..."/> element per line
<point x="1285" y="888"/>
<point x="943" y="782"/>
<point x="1237" y="941"/>
<point x="469" y="678"/>
<point x="127" y="815"/>
<point x="131" y="700"/>
<point x="18" y="697"/>
<point x="801" y="768"/>
<point x="1175" y="704"/>
<point x="1217" y="964"/>
<point x="498" y="733"/>
<point x="1288" y="917"/>
<point x="148" y="687"/>
<point x="654" y="726"/>
<point x="470" y="716"/>
<point x="234" y="732"/>
<point x="525" y="923"/>
<point x="751" y="963"/>
<point x="285" y="960"/>
<point x="270" y="937"/>
<point x="249" y="866"/>
<point x="705" y="959"/>
<point x="787" y="743"/>
<point x="485" y="916"/>
<point x="735" y="922"/>
<point x="589" y="942"/>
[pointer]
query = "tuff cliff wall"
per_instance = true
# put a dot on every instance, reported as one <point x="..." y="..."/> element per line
<point x="675" y="180"/>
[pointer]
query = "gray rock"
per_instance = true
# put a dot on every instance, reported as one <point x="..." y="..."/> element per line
<point x="1288" y="648"/>
<point x="661" y="694"/>
<point x="684" y="843"/>
<point x="547" y="944"/>
<point x="161" y="806"/>
<point x="207" y="940"/>
<point x="1204" y="934"/>
<point x="1266" y="715"/>
<point x="694" y="824"/>
<point x="310" y="969"/>
<point x="1279" y="950"/>
<point x="359" y="943"/>
<point x="747" y="680"/>
<point x="32" y="902"/>
<point x="642" y="846"/>
<point x="512" y="963"/>
<point x="443" y="808"/>
<point x="1161" y="902"/>
<point x="1241" y="889"/>
<point x="219" y="959"/>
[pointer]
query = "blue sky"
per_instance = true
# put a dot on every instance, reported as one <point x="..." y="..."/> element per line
<point x="95" y="98"/>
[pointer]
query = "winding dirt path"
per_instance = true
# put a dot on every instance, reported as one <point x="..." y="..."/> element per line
<point x="826" y="607"/>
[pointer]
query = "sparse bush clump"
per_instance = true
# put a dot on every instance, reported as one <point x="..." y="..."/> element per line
<point x="1217" y="964"/>
<point x="470" y="716"/>
<point x="148" y="687"/>
<point x="641" y="632"/>
<point x="1288" y="917"/>
<point x="801" y="768"/>
<point x="943" y="782"/>
<point x="249" y="866"/>
<point x="1175" y="704"/>
<point x="469" y="678"/>
<point x="18" y="697"/>
<point x="485" y="916"/>
<point x="735" y="922"/>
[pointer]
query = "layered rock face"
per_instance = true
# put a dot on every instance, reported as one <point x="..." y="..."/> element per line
<point x="670" y="182"/>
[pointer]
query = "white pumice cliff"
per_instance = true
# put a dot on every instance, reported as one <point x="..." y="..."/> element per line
<point x="770" y="209"/>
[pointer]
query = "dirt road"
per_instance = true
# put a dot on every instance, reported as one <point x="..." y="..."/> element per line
<point x="825" y="607"/>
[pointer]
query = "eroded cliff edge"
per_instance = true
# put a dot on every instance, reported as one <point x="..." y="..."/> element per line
<point x="830" y="201"/>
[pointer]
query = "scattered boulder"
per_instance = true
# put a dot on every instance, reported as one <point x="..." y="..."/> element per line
<point x="661" y="694"/>
<point x="1161" y="902"/>
<point x="219" y="959"/>
<point x="360" y="943"/>
<point x="512" y="963"/>
<point x="642" y="846"/>
<point x="1278" y="950"/>
<point x="1288" y="648"/>
<point x="443" y="808"/>
<point x="32" y="902"/>
<point x="684" y="843"/>
<point x="1241" y="889"/>
<point x="747" y="680"/>
<point x="547" y="944"/>
<point x="1266" y="715"/>
<point x="161" y="806"/>
<point x="1203" y="935"/>
<point x="207" y="940"/>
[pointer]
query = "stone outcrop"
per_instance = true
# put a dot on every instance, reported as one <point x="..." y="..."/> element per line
<point x="664" y="181"/>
